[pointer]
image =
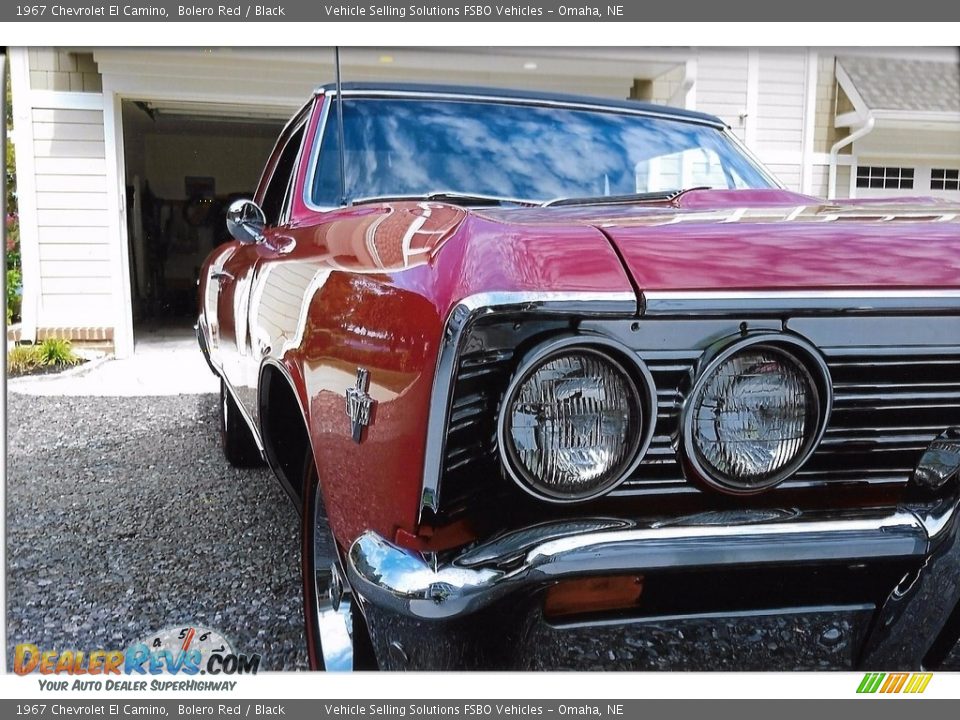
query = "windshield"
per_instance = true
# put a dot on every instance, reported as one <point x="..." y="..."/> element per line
<point x="398" y="147"/>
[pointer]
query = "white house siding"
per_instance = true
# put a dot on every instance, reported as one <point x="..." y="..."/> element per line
<point x="787" y="173"/>
<point x="722" y="86"/>
<point x="62" y="194"/>
<point x="821" y="181"/>
<point x="781" y="103"/>
<point x="71" y="198"/>
<point x="763" y="96"/>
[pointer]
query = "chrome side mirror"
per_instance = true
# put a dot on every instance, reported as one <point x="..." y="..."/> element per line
<point x="245" y="221"/>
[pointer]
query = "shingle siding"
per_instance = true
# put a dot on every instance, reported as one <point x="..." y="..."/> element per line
<point x="53" y="69"/>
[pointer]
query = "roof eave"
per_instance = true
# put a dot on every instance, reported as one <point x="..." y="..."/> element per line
<point x="862" y="112"/>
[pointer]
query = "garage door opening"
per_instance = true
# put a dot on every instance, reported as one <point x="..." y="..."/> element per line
<point x="184" y="163"/>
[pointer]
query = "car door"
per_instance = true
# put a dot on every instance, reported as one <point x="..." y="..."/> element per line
<point x="240" y="357"/>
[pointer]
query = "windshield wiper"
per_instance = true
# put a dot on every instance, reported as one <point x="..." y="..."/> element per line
<point x="631" y="199"/>
<point x="448" y="196"/>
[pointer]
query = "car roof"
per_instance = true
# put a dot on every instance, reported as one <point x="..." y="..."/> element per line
<point x="484" y="93"/>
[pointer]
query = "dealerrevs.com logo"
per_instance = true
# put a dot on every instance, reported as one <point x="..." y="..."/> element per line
<point x="174" y="651"/>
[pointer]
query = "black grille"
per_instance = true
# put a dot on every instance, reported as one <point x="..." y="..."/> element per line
<point x="885" y="413"/>
<point x="887" y="409"/>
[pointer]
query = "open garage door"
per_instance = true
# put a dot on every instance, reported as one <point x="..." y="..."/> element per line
<point x="184" y="162"/>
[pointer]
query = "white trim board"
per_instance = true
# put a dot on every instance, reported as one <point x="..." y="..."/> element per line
<point x="26" y="191"/>
<point x="61" y="100"/>
<point x="117" y="223"/>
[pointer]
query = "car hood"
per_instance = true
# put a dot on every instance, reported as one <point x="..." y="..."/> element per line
<point x="773" y="240"/>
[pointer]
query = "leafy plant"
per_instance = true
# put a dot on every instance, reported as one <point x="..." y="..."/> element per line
<point x="54" y="351"/>
<point x="23" y="359"/>
<point x="10" y="156"/>
<point x="13" y="295"/>
<point x="12" y="220"/>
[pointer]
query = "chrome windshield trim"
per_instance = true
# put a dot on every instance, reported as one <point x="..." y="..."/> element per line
<point x="798" y="302"/>
<point x="538" y="102"/>
<point x="751" y="156"/>
<point x="461" y="317"/>
<point x="315" y="148"/>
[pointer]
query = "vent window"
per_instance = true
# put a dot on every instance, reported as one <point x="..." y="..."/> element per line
<point x="885" y="178"/>
<point x="944" y="179"/>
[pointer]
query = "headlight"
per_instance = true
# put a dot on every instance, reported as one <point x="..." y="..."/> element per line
<point x="573" y="422"/>
<point x="756" y="413"/>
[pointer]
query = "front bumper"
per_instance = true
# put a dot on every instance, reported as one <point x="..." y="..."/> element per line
<point x="483" y="607"/>
<point x="401" y="580"/>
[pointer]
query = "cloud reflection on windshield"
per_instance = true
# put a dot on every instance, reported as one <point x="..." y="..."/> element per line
<point x="411" y="147"/>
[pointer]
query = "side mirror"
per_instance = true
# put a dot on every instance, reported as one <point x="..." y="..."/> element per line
<point x="245" y="221"/>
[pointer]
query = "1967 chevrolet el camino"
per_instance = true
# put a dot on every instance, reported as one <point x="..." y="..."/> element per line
<point x="566" y="382"/>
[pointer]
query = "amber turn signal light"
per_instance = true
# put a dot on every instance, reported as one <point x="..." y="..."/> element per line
<point x="594" y="594"/>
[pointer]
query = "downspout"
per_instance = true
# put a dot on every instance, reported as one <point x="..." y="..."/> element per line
<point x="860" y="132"/>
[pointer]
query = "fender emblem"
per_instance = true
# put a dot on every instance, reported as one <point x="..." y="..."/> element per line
<point x="360" y="404"/>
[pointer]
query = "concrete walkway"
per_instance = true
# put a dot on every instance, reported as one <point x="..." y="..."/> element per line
<point x="165" y="362"/>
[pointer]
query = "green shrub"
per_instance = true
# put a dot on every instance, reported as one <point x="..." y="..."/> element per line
<point x="54" y="351"/>
<point x="13" y="295"/>
<point x="23" y="359"/>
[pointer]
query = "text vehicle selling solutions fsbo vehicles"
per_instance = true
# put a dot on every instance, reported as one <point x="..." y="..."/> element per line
<point x="567" y="382"/>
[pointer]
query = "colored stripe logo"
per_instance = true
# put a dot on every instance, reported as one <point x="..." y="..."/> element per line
<point x="913" y="683"/>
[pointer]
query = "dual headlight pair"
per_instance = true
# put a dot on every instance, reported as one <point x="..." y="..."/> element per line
<point x="579" y="416"/>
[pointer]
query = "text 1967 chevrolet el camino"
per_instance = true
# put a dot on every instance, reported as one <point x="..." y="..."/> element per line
<point x="566" y="382"/>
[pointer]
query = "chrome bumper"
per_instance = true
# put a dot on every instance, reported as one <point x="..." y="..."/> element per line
<point x="408" y="594"/>
<point x="403" y="581"/>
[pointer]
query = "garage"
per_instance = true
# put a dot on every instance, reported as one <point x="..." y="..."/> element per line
<point x="192" y="130"/>
<point x="184" y="162"/>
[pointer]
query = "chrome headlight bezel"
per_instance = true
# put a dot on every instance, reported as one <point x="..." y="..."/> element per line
<point x="794" y="349"/>
<point x="644" y="392"/>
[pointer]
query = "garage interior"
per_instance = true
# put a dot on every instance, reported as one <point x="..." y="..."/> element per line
<point x="184" y="163"/>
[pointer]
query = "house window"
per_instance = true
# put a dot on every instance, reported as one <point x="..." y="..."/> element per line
<point x="944" y="179"/>
<point x="885" y="178"/>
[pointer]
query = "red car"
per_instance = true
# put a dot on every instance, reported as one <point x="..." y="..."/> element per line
<point x="568" y="382"/>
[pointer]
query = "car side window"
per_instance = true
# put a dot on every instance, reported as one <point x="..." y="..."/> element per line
<point x="275" y="194"/>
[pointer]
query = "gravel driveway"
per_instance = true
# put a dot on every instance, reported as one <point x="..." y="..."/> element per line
<point x="123" y="518"/>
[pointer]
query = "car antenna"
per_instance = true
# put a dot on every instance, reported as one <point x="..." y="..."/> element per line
<point x="340" y="140"/>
